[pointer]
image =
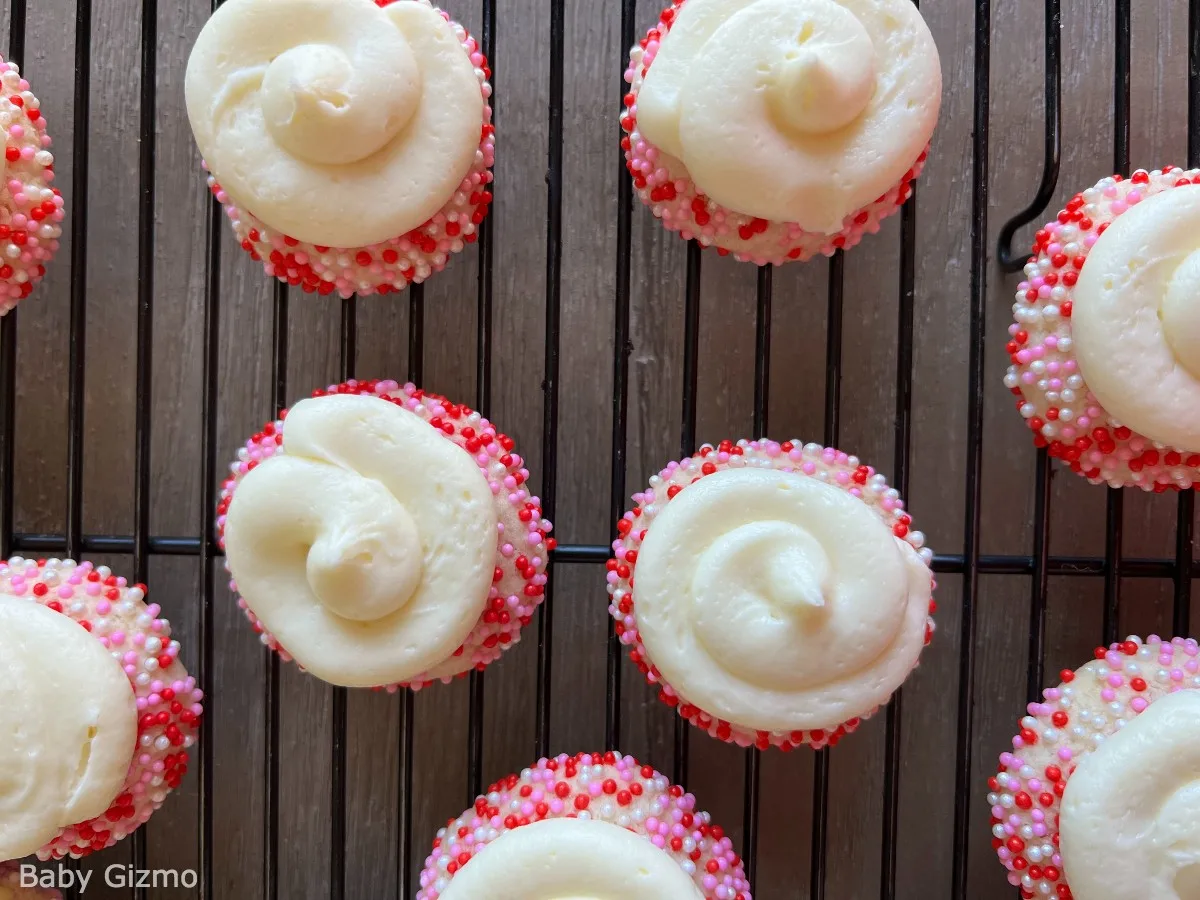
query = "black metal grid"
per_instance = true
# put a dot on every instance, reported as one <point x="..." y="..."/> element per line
<point x="970" y="564"/>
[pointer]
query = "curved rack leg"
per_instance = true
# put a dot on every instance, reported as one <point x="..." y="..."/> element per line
<point x="1009" y="260"/>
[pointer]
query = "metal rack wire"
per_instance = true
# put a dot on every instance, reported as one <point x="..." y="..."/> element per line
<point x="971" y="564"/>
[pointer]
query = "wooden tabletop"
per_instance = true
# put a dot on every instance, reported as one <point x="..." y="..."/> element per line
<point x="105" y="275"/>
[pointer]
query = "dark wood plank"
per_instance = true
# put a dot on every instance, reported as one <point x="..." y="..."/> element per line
<point x="594" y="58"/>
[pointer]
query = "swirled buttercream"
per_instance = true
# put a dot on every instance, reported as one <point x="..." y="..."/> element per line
<point x="1136" y="318"/>
<point x="799" y="111"/>
<point x="69" y="721"/>
<point x="779" y="602"/>
<point x="336" y="122"/>
<point x="1130" y="822"/>
<point x="368" y="547"/>
<point x="571" y="859"/>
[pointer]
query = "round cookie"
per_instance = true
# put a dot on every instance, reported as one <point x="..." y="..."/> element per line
<point x="354" y="155"/>
<point x="31" y="211"/>
<point x="776" y="594"/>
<point x="1105" y="357"/>
<point x="10" y="886"/>
<point x="100" y="708"/>
<point x="1097" y="799"/>
<point x="593" y="824"/>
<point x="382" y="536"/>
<point x="777" y="130"/>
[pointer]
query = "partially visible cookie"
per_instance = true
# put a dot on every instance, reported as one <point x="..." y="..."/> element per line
<point x="31" y="208"/>
<point x="1104" y="349"/>
<point x="1097" y="799"/>
<point x="589" y="825"/>
<point x="99" y="708"/>
<point x="10" y="886"/>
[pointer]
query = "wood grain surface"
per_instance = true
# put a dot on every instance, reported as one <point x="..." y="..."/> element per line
<point x="97" y="161"/>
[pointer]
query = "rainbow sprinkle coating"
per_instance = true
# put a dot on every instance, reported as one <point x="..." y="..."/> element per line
<point x="10" y="882"/>
<point x="31" y="211"/>
<point x="831" y="466"/>
<point x="168" y="701"/>
<point x="1026" y="794"/>
<point x="607" y="787"/>
<point x="1051" y="392"/>
<point x="664" y="185"/>
<point x="523" y="544"/>
<point x="394" y="264"/>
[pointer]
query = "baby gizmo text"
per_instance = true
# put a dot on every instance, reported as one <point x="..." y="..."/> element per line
<point x="115" y="876"/>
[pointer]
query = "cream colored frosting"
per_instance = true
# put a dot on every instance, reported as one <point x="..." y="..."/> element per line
<point x="334" y="121"/>
<point x="1130" y="821"/>
<point x="778" y="602"/>
<point x="794" y="110"/>
<point x="1136" y="318"/>
<point x="571" y="859"/>
<point x="69" y="721"/>
<point x="366" y="548"/>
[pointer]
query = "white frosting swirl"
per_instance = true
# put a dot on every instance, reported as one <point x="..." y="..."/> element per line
<point x="366" y="548"/>
<point x="571" y="859"/>
<point x="794" y="110"/>
<point x="1130" y="821"/>
<point x="334" y="121"/>
<point x="1136" y="318"/>
<point x="779" y="602"/>
<point x="69" y="721"/>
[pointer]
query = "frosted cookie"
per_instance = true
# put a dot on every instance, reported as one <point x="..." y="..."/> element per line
<point x="381" y="536"/>
<point x="589" y="825"/>
<point x="31" y="211"/>
<point x="10" y="886"/>
<point x="97" y="709"/>
<point x="349" y="141"/>
<point x="779" y="129"/>
<point x="1105" y="357"/>
<point x="774" y="593"/>
<point x="1100" y="797"/>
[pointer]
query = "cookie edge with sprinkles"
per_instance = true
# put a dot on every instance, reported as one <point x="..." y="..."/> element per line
<point x="701" y="848"/>
<point x="23" y="254"/>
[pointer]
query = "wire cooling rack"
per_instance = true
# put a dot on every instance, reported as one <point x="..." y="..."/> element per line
<point x="970" y="564"/>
